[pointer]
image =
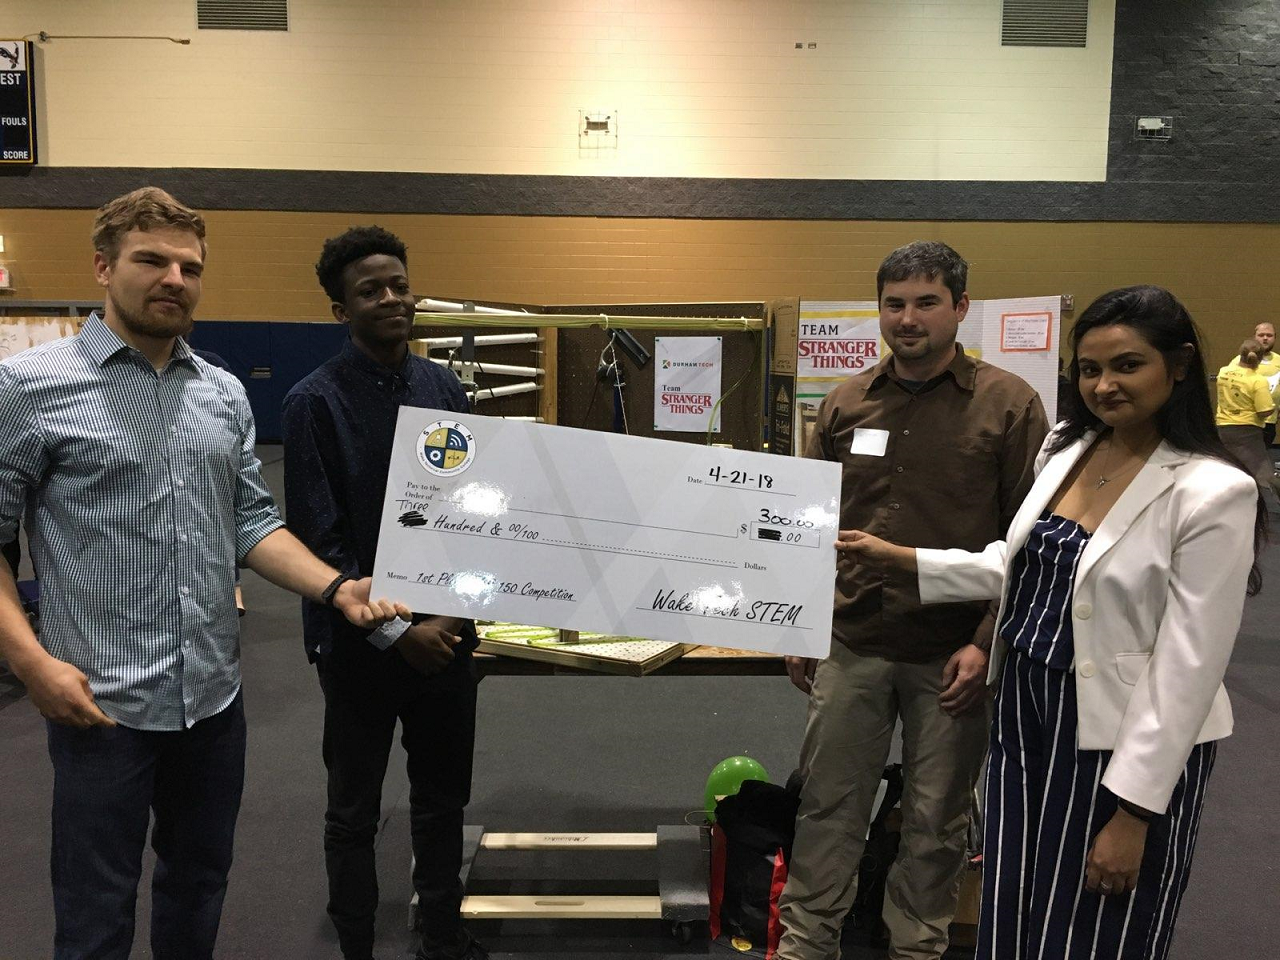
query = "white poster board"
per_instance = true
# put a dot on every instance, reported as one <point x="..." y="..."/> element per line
<point x="1019" y="334"/>
<point x="836" y="339"/>
<point x="23" y="333"/>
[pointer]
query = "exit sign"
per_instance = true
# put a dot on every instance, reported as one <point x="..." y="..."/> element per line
<point x="17" y="104"/>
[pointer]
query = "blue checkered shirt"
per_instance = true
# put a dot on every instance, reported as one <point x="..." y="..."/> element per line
<point x="141" y="492"/>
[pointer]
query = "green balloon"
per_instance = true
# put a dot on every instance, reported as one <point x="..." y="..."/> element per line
<point x="727" y="777"/>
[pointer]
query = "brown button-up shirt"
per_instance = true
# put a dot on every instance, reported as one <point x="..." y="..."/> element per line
<point x="957" y="461"/>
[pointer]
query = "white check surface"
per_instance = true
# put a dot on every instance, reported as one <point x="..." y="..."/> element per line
<point x="532" y="523"/>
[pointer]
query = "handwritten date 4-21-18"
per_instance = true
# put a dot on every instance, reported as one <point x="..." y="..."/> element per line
<point x="741" y="478"/>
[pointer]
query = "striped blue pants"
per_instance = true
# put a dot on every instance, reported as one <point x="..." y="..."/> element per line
<point x="1044" y="806"/>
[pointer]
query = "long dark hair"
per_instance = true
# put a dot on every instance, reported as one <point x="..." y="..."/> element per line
<point x="1186" y="419"/>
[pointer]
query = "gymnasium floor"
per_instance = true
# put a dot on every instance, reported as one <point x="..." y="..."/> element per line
<point x="590" y="753"/>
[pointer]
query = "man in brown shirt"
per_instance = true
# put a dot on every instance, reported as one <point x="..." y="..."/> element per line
<point x="937" y="450"/>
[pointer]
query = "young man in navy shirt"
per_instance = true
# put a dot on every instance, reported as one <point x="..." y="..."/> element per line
<point x="339" y="425"/>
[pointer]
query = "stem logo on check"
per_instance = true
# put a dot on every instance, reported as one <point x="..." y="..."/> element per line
<point x="446" y="448"/>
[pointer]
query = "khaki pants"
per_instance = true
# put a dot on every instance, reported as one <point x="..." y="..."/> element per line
<point x="855" y="703"/>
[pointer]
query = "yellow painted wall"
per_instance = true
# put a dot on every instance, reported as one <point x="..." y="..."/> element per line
<point x="896" y="89"/>
<point x="260" y="264"/>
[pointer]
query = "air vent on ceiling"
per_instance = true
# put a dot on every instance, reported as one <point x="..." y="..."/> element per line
<point x="1045" y="23"/>
<point x="242" y="14"/>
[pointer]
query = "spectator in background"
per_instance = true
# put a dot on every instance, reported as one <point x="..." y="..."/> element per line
<point x="1244" y="404"/>
<point x="1269" y="367"/>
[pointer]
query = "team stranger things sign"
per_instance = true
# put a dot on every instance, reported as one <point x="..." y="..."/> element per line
<point x="686" y="383"/>
<point x="836" y="347"/>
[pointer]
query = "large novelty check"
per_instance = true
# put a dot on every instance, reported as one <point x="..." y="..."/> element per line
<point x="530" y="523"/>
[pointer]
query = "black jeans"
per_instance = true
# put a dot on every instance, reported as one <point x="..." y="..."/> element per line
<point x="365" y="692"/>
<point x="106" y="783"/>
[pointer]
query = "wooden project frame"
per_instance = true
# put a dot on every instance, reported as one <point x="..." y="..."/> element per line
<point x="627" y="317"/>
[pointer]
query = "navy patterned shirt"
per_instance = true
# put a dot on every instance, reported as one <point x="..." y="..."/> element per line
<point x="1037" y="617"/>
<point x="339" y="426"/>
<point x="141" y="492"/>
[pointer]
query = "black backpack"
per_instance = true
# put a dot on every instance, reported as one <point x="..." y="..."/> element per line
<point x="750" y="849"/>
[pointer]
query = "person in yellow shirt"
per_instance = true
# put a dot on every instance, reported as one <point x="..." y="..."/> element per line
<point x="1244" y="403"/>
<point x="1269" y="367"/>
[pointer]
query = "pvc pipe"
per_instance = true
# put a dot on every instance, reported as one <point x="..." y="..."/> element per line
<point x="488" y="393"/>
<point x="500" y="369"/>
<point x="488" y="339"/>
<point x="431" y="305"/>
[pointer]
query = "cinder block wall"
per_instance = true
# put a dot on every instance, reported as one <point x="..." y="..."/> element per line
<point x="1215" y="69"/>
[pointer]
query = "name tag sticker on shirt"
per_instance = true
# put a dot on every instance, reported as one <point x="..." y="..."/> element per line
<point x="869" y="443"/>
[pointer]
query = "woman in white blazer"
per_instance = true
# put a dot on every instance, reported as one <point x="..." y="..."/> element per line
<point x="1121" y="581"/>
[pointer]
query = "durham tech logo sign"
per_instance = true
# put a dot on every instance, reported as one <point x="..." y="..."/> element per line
<point x="446" y="448"/>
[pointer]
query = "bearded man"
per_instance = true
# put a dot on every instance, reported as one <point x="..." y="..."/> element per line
<point x="134" y="463"/>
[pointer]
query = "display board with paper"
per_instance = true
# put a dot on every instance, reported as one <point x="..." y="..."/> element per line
<point x="839" y="338"/>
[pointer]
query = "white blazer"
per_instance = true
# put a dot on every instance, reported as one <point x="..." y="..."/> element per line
<point x="1158" y="596"/>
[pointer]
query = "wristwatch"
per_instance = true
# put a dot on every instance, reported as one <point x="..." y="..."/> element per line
<point x="332" y="589"/>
